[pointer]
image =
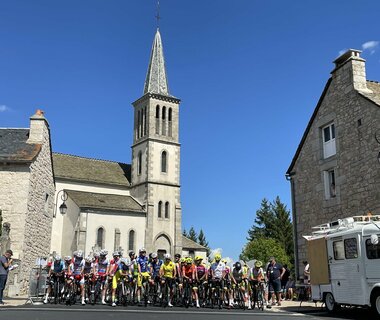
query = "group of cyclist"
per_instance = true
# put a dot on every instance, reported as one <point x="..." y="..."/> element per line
<point x="184" y="273"/>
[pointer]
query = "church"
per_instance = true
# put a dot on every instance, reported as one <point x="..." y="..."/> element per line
<point x="54" y="203"/>
<point x="120" y="206"/>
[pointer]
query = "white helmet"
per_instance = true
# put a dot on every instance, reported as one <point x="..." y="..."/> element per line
<point x="103" y="252"/>
<point x="68" y="258"/>
<point x="88" y="259"/>
<point x="57" y="258"/>
<point x="142" y="250"/>
<point x="154" y="255"/>
<point x="79" y="254"/>
<point x="167" y="256"/>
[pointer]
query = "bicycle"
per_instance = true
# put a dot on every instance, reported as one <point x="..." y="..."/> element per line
<point x="187" y="292"/>
<point x="258" y="295"/>
<point x="215" y="293"/>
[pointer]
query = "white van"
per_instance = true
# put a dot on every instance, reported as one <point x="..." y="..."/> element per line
<point x="344" y="258"/>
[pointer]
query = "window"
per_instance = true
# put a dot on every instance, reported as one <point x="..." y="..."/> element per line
<point x="157" y="112"/>
<point x="138" y="124"/>
<point x="350" y="248"/>
<point x="170" y="114"/>
<point x="139" y="163"/>
<point x="330" y="187"/>
<point x="373" y="250"/>
<point x="157" y="119"/>
<point x="167" y="210"/>
<point x="164" y="161"/>
<point x="170" y="130"/>
<point x="159" y="214"/>
<point x="131" y="243"/>
<point x="100" y="238"/>
<point x="329" y="148"/>
<point x="338" y="248"/>
<point x="192" y="254"/>
<point x="145" y="121"/>
<point x="163" y="113"/>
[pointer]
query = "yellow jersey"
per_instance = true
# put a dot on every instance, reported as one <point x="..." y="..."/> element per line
<point x="168" y="269"/>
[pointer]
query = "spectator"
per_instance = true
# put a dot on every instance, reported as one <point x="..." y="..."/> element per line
<point x="5" y="263"/>
<point x="290" y="286"/>
<point x="306" y="273"/>
<point x="284" y="280"/>
<point x="275" y="273"/>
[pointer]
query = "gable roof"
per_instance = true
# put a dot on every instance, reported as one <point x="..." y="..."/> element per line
<point x="373" y="97"/>
<point x="104" y="201"/>
<point x="190" y="244"/>
<point x="14" y="146"/>
<point x="91" y="170"/>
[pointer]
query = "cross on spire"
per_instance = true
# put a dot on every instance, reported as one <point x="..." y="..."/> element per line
<point x="158" y="17"/>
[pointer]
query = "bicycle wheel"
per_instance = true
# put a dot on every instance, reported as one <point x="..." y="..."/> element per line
<point x="260" y="299"/>
<point x="56" y="291"/>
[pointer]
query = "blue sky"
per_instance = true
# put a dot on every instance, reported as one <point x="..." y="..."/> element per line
<point x="249" y="74"/>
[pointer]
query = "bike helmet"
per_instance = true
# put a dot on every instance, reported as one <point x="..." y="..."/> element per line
<point x="68" y="258"/>
<point x="116" y="254"/>
<point x="103" y="253"/>
<point x="189" y="260"/>
<point x="177" y="255"/>
<point x="131" y="254"/>
<point x="142" y="250"/>
<point x="237" y="265"/>
<point x="198" y="258"/>
<point x="183" y="260"/>
<point x="167" y="256"/>
<point x="88" y="259"/>
<point x="78" y="254"/>
<point x="96" y="254"/>
<point x="57" y="258"/>
<point x="224" y="261"/>
<point x="154" y="255"/>
<point x="258" y="264"/>
<point x="218" y="257"/>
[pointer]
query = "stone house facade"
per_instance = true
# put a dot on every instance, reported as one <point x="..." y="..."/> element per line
<point x="27" y="193"/>
<point x="335" y="172"/>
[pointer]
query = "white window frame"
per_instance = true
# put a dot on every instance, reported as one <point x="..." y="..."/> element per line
<point x="329" y="145"/>
<point x="329" y="177"/>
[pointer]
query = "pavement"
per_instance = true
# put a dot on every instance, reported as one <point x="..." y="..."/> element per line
<point x="286" y="306"/>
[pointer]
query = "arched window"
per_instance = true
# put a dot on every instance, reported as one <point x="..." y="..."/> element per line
<point x="145" y="121"/>
<point x="117" y="239"/>
<point x="157" y="119"/>
<point x="163" y="113"/>
<point x="131" y="243"/>
<point x="141" y="123"/>
<point x="138" y="124"/>
<point x="164" y="164"/>
<point x="170" y="130"/>
<point x="139" y="163"/>
<point x="100" y="237"/>
<point x="170" y="114"/>
<point x="159" y="209"/>
<point x="166" y="210"/>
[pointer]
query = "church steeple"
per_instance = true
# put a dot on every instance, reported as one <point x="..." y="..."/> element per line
<point x="156" y="80"/>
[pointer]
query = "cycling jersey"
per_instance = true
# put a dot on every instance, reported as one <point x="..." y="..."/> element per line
<point x="237" y="274"/>
<point x="258" y="274"/>
<point x="134" y="266"/>
<point x="201" y="270"/>
<point x="78" y="265"/>
<point x="114" y="266"/>
<point x="168" y="269"/>
<point x="188" y="270"/>
<point x="218" y="268"/>
<point x="156" y="266"/>
<point x="57" y="266"/>
<point x="87" y="268"/>
<point x="102" y="266"/>
<point x="143" y="262"/>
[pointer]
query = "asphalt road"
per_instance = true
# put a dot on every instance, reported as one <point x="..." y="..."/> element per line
<point x="105" y="313"/>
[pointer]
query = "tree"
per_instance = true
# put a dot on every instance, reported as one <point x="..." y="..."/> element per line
<point x="192" y="235"/>
<point x="203" y="242"/>
<point x="264" y="248"/>
<point x="262" y="226"/>
<point x="184" y="233"/>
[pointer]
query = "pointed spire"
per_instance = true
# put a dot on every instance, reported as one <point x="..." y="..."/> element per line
<point x="156" y="81"/>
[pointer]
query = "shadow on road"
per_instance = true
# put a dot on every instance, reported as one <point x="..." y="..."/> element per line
<point x="352" y="313"/>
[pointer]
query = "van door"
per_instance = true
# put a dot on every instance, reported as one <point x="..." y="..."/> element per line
<point x="371" y="254"/>
<point x="346" y="268"/>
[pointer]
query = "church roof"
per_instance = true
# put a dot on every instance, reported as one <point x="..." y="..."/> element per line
<point x="102" y="201"/>
<point x="156" y="80"/>
<point x="192" y="245"/>
<point x="91" y="170"/>
<point x="14" y="148"/>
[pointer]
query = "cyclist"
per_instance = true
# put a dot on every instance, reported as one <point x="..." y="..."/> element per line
<point x="101" y="271"/>
<point x="143" y="271"/>
<point x="188" y="273"/>
<point x="200" y="279"/>
<point x="78" y="267"/>
<point x="227" y="283"/>
<point x="258" y="277"/>
<point x="112" y="271"/>
<point x="155" y="266"/>
<point x="55" y="272"/>
<point x="121" y="271"/>
<point x="238" y="277"/>
<point x="217" y="273"/>
<point x="168" y="274"/>
<point x="178" y="269"/>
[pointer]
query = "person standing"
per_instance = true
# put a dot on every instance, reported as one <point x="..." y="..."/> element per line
<point x="275" y="273"/>
<point x="5" y="263"/>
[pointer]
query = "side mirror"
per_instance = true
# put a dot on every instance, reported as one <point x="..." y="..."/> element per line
<point x="374" y="239"/>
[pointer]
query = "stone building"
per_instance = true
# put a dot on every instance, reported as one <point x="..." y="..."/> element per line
<point x="335" y="172"/>
<point x="27" y="193"/>
<point x="119" y="206"/>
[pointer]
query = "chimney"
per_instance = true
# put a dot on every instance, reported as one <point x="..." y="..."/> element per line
<point x="37" y="127"/>
<point x="350" y="71"/>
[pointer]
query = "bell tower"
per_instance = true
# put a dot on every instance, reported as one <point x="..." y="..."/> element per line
<point x="156" y="157"/>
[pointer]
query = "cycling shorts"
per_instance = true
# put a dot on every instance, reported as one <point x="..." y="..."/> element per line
<point x="145" y="276"/>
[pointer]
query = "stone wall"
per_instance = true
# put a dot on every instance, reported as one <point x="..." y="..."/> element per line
<point x="38" y="223"/>
<point x="357" y="169"/>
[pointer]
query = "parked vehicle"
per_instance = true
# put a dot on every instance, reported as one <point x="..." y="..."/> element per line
<point x="344" y="258"/>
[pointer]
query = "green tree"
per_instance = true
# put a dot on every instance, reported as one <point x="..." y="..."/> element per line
<point x="192" y="234"/>
<point x="202" y="241"/>
<point x="264" y="248"/>
<point x="263" y="224"/>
